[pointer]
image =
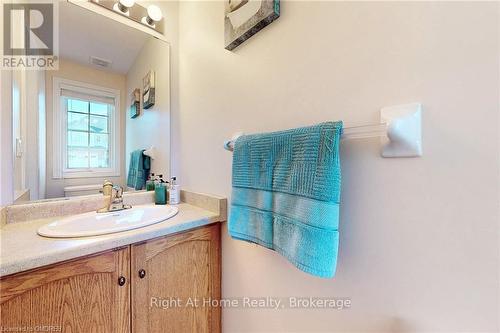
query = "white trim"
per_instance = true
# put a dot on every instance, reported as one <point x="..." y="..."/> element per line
<point x="59" y="124"/>
<point x="78" y="188"/>
<point x="7" y="169"/>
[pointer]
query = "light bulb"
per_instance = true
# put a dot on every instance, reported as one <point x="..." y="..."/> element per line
<point x="154" y="14"/>
<point x="123" y="6"/>
<point x="127" y="3"/>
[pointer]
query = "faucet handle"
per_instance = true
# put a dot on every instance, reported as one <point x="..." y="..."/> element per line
<point x="107" y="188"/>
<point x="118" y="190"/>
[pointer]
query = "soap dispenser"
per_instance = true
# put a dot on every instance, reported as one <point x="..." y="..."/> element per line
<point x="174" y="192"/>
<point x="161" y="191"/>
<point x="150" y="183"/>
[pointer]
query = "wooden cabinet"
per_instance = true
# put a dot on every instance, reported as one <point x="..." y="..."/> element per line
<point x="173" y="280"/>
<point x="115" y="291"/>
<point x="83" y="295"/>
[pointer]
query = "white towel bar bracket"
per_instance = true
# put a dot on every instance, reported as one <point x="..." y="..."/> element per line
<point x="151" y="152"/>
<point x="399" y="129"/>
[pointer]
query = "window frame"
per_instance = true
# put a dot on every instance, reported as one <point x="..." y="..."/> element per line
<point x="60" y="130"/>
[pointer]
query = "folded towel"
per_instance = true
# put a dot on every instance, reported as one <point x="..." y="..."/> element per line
<point x="138" y="171"/>
<point x="286" y="194"/>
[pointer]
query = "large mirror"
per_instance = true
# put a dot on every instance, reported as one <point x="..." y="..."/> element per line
<point x="77" y="126"/>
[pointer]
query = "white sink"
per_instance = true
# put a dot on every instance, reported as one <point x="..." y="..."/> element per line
<point x="93" y="224"/>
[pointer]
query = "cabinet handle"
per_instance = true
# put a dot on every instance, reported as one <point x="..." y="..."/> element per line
<point x="121" y="281"/>
<point x="142" y="273"/>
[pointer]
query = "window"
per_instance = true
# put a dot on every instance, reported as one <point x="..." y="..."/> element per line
<point x="87" y="135"/>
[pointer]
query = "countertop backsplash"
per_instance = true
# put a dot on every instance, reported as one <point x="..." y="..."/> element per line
<point x="77" y="205"/>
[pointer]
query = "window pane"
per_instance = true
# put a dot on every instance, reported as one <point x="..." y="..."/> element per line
<point x="99" y="108"/>
<point x="78" y="121"/>
<point x="88" y="134"/>
<point x="99" y="124"/>
<point x="78" y="139"/>
<point x="99" y="158"/>
<point x="78" y="106"/>
<point x="78" y="158"/>
<point x="99" y="140"/>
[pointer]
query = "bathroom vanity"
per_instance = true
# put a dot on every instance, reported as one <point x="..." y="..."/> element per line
<point x="142" y="280"/>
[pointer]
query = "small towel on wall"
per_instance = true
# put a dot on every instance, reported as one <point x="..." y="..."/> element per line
<point x="286" y="194"/>
<point x="138" y="171"/>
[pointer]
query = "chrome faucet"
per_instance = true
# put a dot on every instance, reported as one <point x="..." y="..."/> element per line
<point x="113" y="198"/>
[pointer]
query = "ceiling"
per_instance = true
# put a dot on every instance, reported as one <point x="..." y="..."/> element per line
<point x="84" y="34"/>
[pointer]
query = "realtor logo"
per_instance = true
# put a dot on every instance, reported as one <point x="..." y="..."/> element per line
<point x="29" y="35"/>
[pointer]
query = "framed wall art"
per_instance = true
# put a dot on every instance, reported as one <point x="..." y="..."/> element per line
<point x="244" y="18"/>
<point x="135" y="103"/>
<point x="148" y="92"/>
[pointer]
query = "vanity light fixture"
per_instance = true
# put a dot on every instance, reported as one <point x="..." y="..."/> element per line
<point x="150" y="17"/>
<point x="123" y="6"/>
<point x="154" y="15"/>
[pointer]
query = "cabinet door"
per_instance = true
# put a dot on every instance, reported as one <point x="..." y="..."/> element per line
<point x="83" y="295"/>
<point x="167" y="272"/>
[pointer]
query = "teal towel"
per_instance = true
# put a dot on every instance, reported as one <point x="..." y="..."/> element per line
<point x="286" y="194"/>
<point x="138" y="170"/>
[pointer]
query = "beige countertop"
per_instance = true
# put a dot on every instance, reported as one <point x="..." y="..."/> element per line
<point x="21" y="248"/>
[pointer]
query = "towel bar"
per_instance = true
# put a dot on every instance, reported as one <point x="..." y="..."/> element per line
<point x="151" y="152"/>
<point x="399" y="129"/>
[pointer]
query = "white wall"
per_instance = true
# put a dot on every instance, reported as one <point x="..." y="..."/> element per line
<point x="152" y="127"/>
<point x="34" y="91"/>
<point x="42" y="137"/>
<point x="27" y="104"/>
<point x="419" y="237"/>
<point x="87" y="74"/>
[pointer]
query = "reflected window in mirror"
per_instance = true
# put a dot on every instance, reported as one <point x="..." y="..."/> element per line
<point x="88" y="130"/>
<point x="89" y="127"/>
